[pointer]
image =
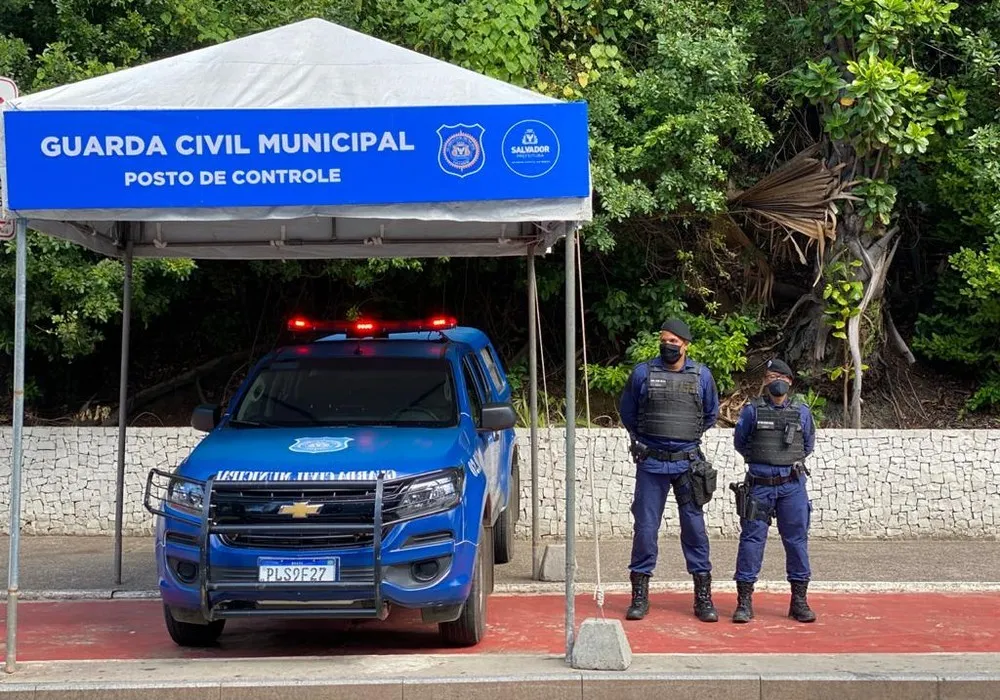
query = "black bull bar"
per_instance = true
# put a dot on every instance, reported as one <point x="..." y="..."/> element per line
<point x="368" y="590"/>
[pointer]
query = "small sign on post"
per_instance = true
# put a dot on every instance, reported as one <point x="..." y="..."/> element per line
<point x="8" y="91"/>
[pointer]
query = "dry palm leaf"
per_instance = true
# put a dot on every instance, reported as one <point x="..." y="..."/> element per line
<point x="800" y="197"/>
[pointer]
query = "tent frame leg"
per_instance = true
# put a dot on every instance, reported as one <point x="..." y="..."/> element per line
<point x="570" y="439"/>
<point x="17" y="453"/>
<point x="123" y="410"/>
<point x="533" y="408"/>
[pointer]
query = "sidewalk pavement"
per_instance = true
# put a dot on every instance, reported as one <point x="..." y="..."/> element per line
<point x="875" y="623"/>
<point x="86" y="564"/>
<point x="893" y="646"/>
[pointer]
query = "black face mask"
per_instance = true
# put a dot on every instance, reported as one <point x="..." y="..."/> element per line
<point x="670" y="353"/>
<point x="779" y="387"/>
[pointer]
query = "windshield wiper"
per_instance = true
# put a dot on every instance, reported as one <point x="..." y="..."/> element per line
<point x="251" y="424"/>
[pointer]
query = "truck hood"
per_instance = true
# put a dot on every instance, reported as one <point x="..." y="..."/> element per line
<point x="323" y="454"/>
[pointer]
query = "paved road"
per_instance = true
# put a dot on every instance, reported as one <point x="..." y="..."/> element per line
<point x="85" y="563"/>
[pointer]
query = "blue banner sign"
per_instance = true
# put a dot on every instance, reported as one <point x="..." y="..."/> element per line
<point x="314" y="157"/>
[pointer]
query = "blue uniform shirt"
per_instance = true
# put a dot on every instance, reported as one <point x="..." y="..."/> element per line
<point x="745" y="428"/>
<point x="634" y="396"/>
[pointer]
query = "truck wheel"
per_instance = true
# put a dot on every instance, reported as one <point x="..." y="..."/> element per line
<point x="470" y="627"/>
<point x="503" y="532"/>
<point x="186" y="634"/>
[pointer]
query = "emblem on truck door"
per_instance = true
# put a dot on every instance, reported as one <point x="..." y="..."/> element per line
<point x="302" y="509"/>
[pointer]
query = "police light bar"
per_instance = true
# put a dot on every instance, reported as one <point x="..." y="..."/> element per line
<point x="369" y="328"/>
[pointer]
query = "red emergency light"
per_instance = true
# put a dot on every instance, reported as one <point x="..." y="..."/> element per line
<point x="368" y="328"/>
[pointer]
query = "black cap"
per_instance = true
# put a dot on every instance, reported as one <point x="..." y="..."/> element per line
<point x="776" y="365"/>
<point x="678" y="328"/>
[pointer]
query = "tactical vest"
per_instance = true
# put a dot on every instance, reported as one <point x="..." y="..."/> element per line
<point x="768" y="443"/>
<point x="673" y="408"/>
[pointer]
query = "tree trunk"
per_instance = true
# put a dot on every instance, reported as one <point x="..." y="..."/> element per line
<point x="876" y="258"/>
<point x="810" y="345"/>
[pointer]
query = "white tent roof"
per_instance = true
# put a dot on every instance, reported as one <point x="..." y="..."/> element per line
<point x="312" y="63"/>
<point x="306" y="65"/>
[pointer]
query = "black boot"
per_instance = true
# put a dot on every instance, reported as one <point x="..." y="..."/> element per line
<point x="703" y="608"/>
<point x="799" y="608"/>
<point x="744" y="602"/>
<point x="640" y="596"/>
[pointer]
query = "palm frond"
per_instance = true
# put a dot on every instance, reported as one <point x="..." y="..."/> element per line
<point x="799" y="197"/>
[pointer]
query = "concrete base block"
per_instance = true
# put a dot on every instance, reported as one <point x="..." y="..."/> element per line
<point x="553" y="564"/>
<point x="601" y="645"/>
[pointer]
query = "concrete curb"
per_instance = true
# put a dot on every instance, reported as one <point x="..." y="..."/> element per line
<point x="487" y="677"/>
<point x="584" y="588"/>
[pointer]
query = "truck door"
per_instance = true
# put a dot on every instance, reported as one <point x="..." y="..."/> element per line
<point x="488" y="442"/>
<point x="500" y="392"/>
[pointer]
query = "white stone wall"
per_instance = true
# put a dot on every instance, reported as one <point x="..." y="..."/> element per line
<point x="865" y="484"/>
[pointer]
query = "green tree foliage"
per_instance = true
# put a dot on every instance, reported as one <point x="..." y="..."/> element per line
<point x="964" y="328"/>
<point x="75" y="295"/>
<point x="868" y="76"/>
<point x="960" y="189"/>
<point x="689" y="100"/>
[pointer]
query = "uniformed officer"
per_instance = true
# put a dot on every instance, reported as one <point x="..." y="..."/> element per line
<point x="775" y="434"/>
<point x="667" y="404"/>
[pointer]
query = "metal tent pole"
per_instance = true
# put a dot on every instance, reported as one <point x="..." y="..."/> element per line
<point x="570" y="439"/>
<point x="123" y="409"/>
<point x="533" y="407"/>
<point x="17" y="454"/>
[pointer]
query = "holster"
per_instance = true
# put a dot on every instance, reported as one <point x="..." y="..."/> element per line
<point x="748" y="507"/>
<point x="703" y="481"/>
<point x="741" y="492"/>
<point x="638" y="451"/>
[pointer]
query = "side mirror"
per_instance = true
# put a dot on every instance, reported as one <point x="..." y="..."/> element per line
<point x="497" y="416"/>
<point x="205" y="417"/>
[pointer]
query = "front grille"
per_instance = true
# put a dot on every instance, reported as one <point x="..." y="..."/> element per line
<point x="328" y="504"/>
<point x="289" y="539"/>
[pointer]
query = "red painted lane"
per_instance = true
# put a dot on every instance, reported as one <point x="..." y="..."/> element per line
<point x="848" y="623"/>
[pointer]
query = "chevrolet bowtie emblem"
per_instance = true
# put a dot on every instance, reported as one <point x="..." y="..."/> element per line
<point x="300" y="510"/>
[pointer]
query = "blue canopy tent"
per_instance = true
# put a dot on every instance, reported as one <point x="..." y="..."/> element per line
<point x="306" y="141"/>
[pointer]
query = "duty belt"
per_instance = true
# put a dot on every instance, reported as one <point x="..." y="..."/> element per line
<point x="771" y="480"/>
<point x="664" y="456"/>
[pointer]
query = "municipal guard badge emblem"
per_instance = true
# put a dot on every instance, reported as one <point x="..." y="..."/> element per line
<point x="461" y="153"/>
<point x="320" y="445"/>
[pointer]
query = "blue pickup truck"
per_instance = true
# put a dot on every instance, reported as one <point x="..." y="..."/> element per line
<point x="365" y="465"/>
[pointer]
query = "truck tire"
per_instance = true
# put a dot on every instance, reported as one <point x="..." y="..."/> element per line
<point x="186" y="634"/>
<point x="470" y="627"/>
<point x="503" y="532"/>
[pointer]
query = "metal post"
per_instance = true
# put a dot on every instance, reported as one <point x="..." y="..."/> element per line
<point x="123" y="409"/>
<point x="533" y="409"/>
<point x="570" y="440"/>
<point x="17" y="455"/>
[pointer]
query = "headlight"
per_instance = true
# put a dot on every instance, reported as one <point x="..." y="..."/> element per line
<point x="186" y="496"/>
<point x="435" y="493"/>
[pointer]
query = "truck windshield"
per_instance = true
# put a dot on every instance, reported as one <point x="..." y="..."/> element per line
<point x="338" y="391"/>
